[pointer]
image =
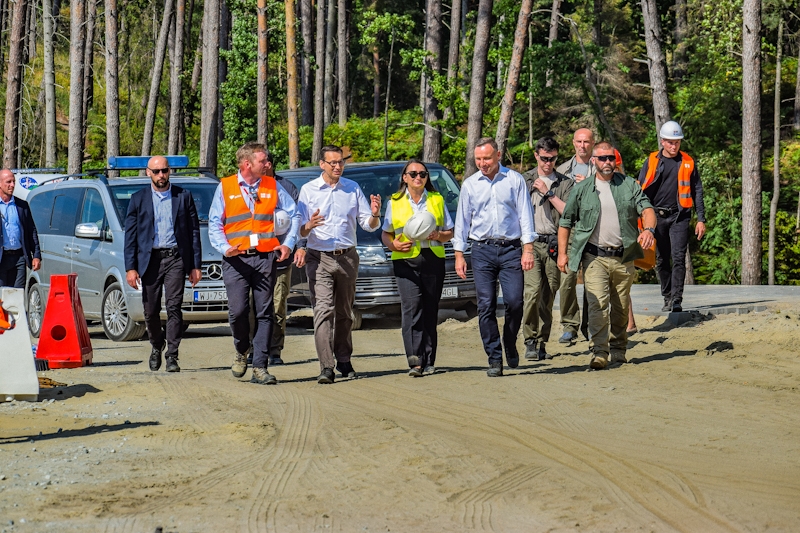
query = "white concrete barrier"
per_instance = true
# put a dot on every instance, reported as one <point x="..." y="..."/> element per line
<point x="18" y="380"/>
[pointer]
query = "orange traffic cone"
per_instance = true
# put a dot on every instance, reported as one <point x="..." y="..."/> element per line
<point x="64" y="340"/>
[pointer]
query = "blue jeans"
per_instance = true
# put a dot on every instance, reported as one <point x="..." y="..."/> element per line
<point x="492" y="263"/>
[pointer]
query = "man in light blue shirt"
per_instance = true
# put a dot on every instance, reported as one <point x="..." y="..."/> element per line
<point x="330" y="207"/>
<point x="19" y="241"/>
<point x="241" y="228"/>
<point x="495" y="216"/>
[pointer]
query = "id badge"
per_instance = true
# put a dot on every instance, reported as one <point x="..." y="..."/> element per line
<point x="253" y="240"/>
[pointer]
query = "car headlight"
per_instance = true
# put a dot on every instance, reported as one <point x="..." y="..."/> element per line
<point x="371" y="255"/>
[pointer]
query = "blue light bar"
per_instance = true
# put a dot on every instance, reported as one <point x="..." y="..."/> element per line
<point x="136" y="162"/>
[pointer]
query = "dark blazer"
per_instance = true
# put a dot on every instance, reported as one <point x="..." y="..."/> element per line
<point x="30" y="237"/>
<point x="140" y="229"/>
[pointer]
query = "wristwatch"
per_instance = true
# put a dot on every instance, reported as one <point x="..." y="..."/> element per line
<point x="651" y="230"/>
<point x="549" y="194"/>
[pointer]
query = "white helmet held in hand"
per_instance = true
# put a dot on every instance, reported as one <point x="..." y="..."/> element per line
<point x="282" y="222"/>
<point x="419" y="226"/>
<point x="671" y="131"/>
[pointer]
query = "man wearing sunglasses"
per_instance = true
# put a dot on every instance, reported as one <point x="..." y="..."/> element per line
<point x="603" y="213"/>
<point x="670" y="180"/>
<point x="549" y="192"/>
<point x="162" y="246"/>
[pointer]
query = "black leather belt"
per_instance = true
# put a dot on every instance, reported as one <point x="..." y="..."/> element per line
<point x="15" y="251"/>
<point x="543" y="238"/>
<point x="340" y="251"/>
<point x="600" y="251"/>
<point x="165" y="252"/>
<point x="664" y="212"/>
<point x="501" y="242"/>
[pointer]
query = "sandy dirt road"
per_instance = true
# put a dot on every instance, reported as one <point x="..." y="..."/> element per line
<point x="699" y="432"/>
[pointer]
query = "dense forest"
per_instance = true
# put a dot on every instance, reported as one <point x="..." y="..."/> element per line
<point x="393" y="79"/>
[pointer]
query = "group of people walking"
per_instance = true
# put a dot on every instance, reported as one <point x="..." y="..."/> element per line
<point x="530" y="234"/>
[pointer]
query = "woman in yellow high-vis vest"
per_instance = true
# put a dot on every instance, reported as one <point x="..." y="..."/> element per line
<point x="418" y="265"/>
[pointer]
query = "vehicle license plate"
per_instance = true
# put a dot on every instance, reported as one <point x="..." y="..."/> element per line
<point x="450" y="292"/>
<point x="210" y="296"/>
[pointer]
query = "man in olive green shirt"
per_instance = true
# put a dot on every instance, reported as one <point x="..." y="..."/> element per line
<point x="604" y="213"/>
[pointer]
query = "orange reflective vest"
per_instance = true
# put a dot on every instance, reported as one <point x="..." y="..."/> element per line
<point x="684" y="177"/>
<point x="240" y="223"/>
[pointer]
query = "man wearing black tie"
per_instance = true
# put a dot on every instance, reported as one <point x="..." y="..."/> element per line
<point x="162" y="246"/>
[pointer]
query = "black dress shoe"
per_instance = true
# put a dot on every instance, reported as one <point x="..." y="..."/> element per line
<point x="512" y="356"/>
<point x="155" y="357"/>
<point x="346" y="370"/>
<point x="326" y="376"/>
<point x="276" y="360"/>
<point x="172" y="364"/>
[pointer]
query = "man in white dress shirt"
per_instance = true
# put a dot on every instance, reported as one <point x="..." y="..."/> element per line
<point x="330" y="207"/>
<point x="495" y="216"/>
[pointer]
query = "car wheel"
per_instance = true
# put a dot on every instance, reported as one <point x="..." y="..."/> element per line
<point x="117" y="325"/>
<point x="358" y="317"/>
<point x="36" y="305"/>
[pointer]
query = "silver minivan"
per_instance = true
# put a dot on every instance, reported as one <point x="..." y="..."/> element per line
<point x="80" y="226"/>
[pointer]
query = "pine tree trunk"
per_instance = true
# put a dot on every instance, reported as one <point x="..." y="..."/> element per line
<point x="155" y="81"/>
<point x="329" y="62"/>
<point x="13" y="85"/>
<point x="514" y="68"/>
<point x="175" y="83"/>
<point x="225" y="25"/>
<point x="376" y="82"/>
<point x="88" y="63"/>
<point x="197" y="65"/>
<point x="291" y="86"/>
<point x="50" y="143"/>
<point x="210" y="88"/>
<point x="776" y="154"/>
<point x="307" y="83"/>
<point x="342" y="49"/>
<point x="319" y="84"/>
<point x="751" y="142"/>
<point x="498" y="82"/>
<point x="432" y="138"/>
<point x="262" y="102"/>
<point x="77" y="12"/>
<point x="680" y="55"/>
<point x="478" y="83"/>
<point x="656" y="62"/>
<point x="112" y="78"/>
<point x="452" y="56"/>
<point x="552" y="36"/>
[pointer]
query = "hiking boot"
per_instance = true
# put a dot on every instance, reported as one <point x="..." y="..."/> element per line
<point x="262" y="377"/>
<point x="346" y="369"/>
<point x="326" y="376"/>
<point x="599" y="361"/>
<point x="512" y="356"/>
<point x="429" y="370"/>
<point x="542" y="354"/>
<point x="495" y="369"/>
<point x="618" y="358"/>
<point x="155" y="357"/>
<point x="677" y="307"/>
<point x="172" y="365"/>
<point x="239" y="366"/>
<point x="415" y="372"/>
<point x="530" y="350"/>
<point x="667" y="305"/>
<point x="568" y="337"/>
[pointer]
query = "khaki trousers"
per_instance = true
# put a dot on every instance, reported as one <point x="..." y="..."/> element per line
<point x="332" y="281"/>
<point x="541" y="284"/>
<point x="568" y="302"/>
<point x="607" y="281"/>
<point x="280" y="296"/>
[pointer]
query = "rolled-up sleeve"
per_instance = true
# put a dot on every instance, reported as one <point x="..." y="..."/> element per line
<point x="570" y="214"/>
<point x="364" y="211"/>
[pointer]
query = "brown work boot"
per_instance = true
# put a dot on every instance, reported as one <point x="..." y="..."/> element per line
<point x="599" y="361"/>
<point x="618" y="357"/>
<point x="262" y="377"/>
<point x="239" y="366"/>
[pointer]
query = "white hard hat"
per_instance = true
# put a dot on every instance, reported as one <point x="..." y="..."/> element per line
<point x="671" y="131"/>
<point x="419" y="226"/>
<point x="282" y="222"/>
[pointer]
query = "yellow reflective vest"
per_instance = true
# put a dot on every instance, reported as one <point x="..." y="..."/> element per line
<point x="402" y="211"/>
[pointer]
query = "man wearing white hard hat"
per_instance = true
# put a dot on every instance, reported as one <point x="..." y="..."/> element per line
<point x="671" y="182"/>
<point x="241" y="226"/>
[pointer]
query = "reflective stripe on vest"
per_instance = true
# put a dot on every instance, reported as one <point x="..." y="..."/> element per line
<point x="402" y="211"/>
<point x="684" y="177"/>
<point x="240" y="223"/>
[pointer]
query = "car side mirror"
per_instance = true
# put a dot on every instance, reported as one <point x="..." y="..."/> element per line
<point x="88" y="231"/>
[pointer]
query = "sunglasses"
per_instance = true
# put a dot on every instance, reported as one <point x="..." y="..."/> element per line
<point x="159" y="170"/>
<point x="545" y="159"/>
<point x="339" y="163"/>
<point x="421" y="174"/>
<point x="606" y="157"/>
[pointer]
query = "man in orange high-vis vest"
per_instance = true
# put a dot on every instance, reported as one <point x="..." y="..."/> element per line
<point x="241" y="226"/>
<point x="671" y="182"/>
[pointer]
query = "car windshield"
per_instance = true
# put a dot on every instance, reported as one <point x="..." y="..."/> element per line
<point x="384" y="181"/>
<point x="203" y="194"/>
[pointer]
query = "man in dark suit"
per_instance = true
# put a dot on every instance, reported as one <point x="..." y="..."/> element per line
<point x="162" y="240"/>
<point x="19" y="242"/>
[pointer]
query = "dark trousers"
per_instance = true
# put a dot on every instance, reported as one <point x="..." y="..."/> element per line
<point x="12" y="269"/>
<point x="492" y="263"/>
<point x="244" y="274"/>
<point x="420" y="281"/>
<point x="672" y="238"/>
<point x="332" y="281"/>
<point x="166" y="273"/>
